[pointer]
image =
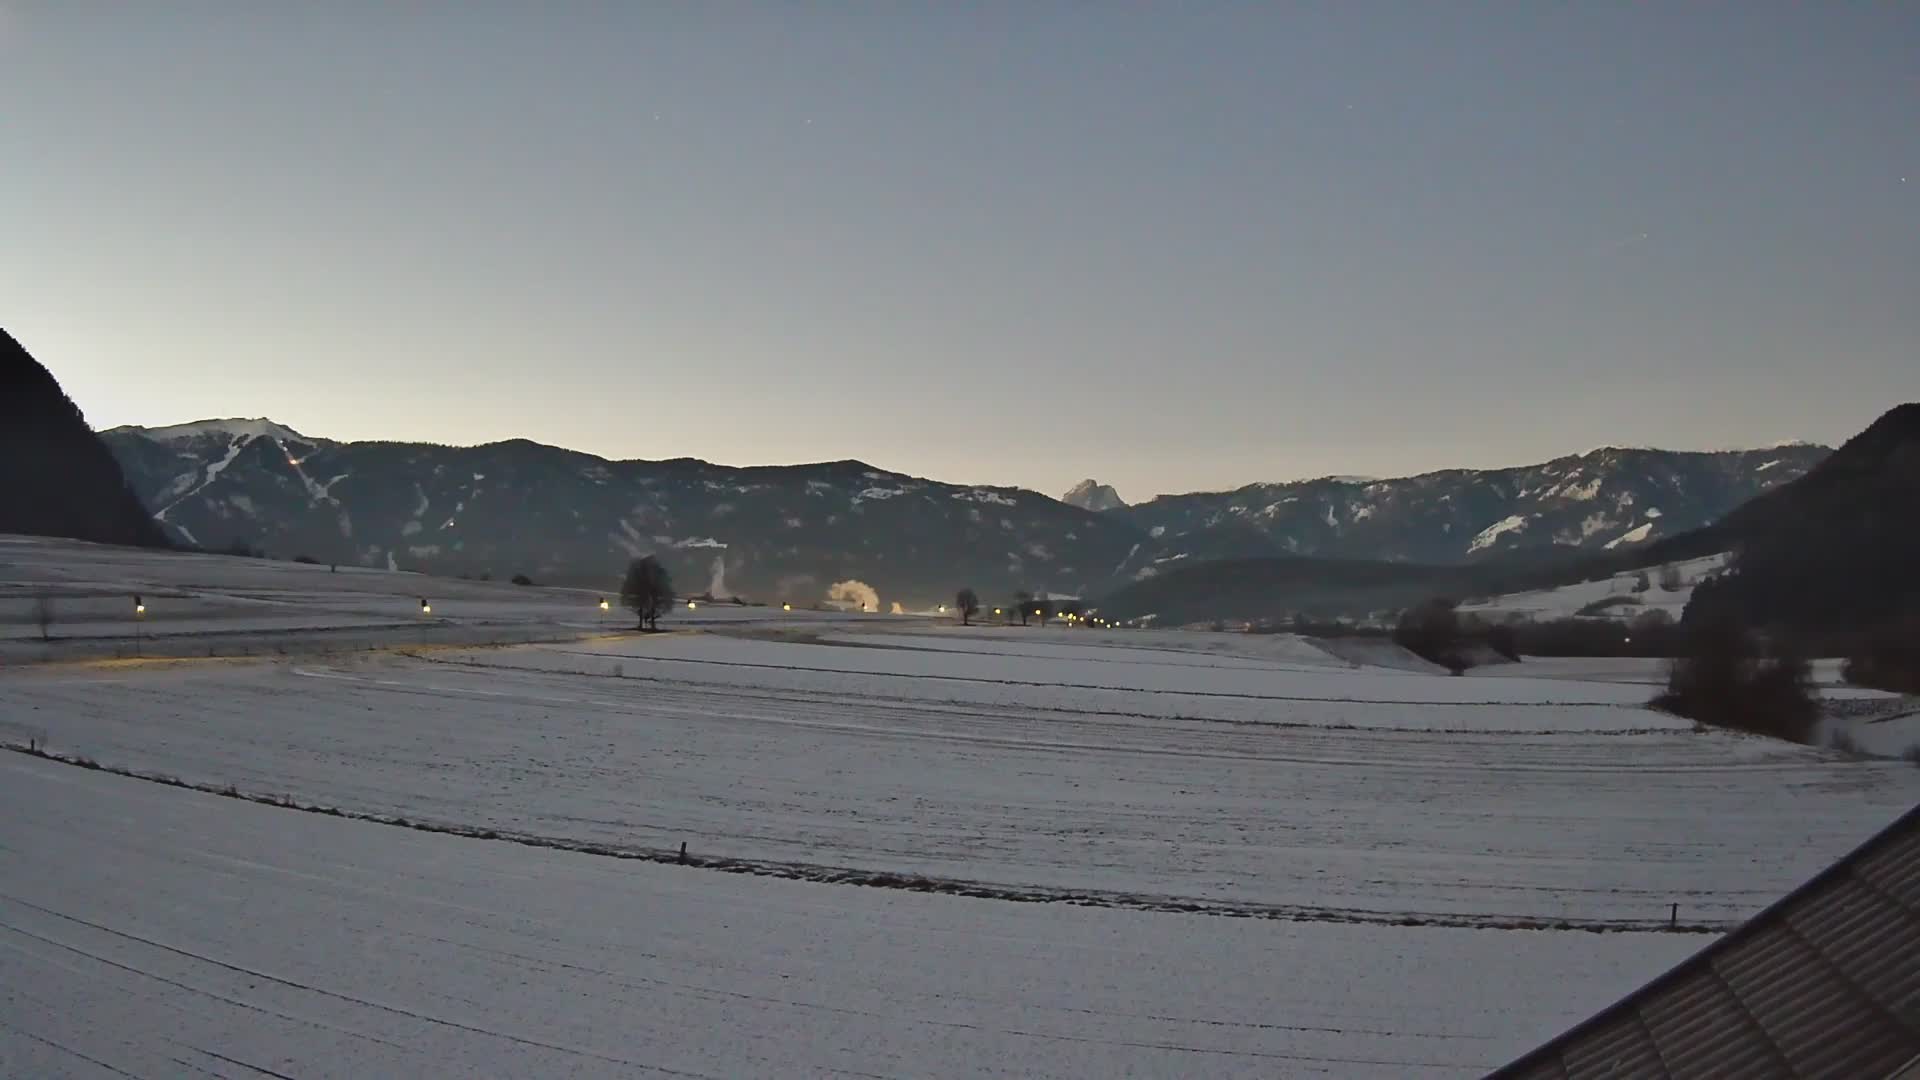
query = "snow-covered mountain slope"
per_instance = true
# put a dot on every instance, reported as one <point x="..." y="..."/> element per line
<point x="1606" y="499"/>
<point x="793" y="531"/>
<point x="555" y="515"/>
<point x="1622" y="597"/>
<point x="1091" y="495"/>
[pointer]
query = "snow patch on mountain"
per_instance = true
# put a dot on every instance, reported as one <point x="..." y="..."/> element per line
<point x="1636" y="535"/>
<point x="1490" y="535"/>
<point x="213" y="473"/>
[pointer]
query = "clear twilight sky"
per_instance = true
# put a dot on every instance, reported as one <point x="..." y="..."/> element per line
<point x="1012" y="243"/>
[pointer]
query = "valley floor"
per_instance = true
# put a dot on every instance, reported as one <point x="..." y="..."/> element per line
<point x="1123" y="853"/>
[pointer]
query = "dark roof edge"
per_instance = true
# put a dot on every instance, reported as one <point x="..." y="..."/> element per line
<point x="1840" y="866"/>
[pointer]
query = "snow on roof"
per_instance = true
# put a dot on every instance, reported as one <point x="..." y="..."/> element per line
<point x="1812" y="986"/>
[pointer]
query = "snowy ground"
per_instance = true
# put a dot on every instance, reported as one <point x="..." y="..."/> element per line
<point x="1405" y="801"/>
<point x="198" y="605"/>
<point x="1382" y="832"/>
<point x="1565" y="602"/>
<point x="147" y="931"/>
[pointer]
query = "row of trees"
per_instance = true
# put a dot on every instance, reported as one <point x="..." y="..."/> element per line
<point x="1024" y="606"/>
<point x="647" y="591"/>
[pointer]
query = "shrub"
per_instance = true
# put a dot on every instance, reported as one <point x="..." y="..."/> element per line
<point x="1912" y="754"/>
<point x="1505" y="640"/>
<point x="522" y="579"/>
<point x="1432" y="632"/>
<point x="1843" y="741"/>
<point x="1670" y="580"/>
<point x="1640" y="583"/>
<point x="1723" y="681"/>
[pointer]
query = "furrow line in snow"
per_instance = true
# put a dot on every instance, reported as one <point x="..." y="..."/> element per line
<point x="924" y="676"/>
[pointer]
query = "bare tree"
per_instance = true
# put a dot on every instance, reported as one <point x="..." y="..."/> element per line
<point x="1023" y="603"/>
<point x="43" y="615"/>
<point x="1670" y="580"/>
<point x="968" y="602"/>
<point x="647" y="591"/>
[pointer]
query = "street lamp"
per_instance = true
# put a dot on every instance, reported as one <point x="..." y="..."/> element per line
<point x="425" y="608"/>
<point x="691" y="605"/>
<point x="786" y="607"/>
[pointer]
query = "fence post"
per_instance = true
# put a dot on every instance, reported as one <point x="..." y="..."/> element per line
<point x="1673" y="917"/>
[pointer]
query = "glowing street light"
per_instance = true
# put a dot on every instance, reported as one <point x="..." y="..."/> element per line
<point x="139" y="607"/>
<point x="691" y="605"/>
<point x="786" y="607"/>
<point x="425" y="608"/>
<point x="604" y="606"/>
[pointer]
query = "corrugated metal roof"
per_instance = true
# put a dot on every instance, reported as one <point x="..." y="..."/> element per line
<point x="1825" y="983"/>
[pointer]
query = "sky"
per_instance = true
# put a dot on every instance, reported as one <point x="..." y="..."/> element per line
<point x="1169" y="247"/>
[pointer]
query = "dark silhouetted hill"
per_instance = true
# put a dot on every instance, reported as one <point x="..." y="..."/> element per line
<point x="56" y="477"/>
<point x="1834" y="552"/>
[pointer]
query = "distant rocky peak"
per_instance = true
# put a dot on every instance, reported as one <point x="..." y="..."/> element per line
<point x="1092" y="495"/>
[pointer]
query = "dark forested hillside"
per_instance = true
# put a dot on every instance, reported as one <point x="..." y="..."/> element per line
<point x="1836" y="551"/>
<point x="56" y="477"/>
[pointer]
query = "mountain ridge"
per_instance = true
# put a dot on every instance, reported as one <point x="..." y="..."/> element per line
<point x="789" y="531"/>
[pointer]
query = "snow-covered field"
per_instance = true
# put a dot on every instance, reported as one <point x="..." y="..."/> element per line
<point x="147" y="931"/>
<point x="1385" y="833"/>
<point x="1404" y="801"/>
<point x="197" y="605"/>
